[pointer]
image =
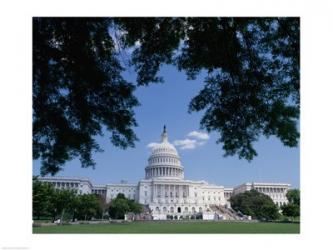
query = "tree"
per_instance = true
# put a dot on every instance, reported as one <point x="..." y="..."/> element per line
<point x="292" y="209"/>
<point x="252" y="72"/>
<point x="255" y="204"/>
<point x="78" y="91"/>
<point x="41" y="198"/>
<point x="251" y="87"/>
<point x="63" y="201"/>
<point x="118" y="208"/>
<point x="135" y="207"/>
<point x="121" y="205"/>
<point x="293" y="196"/>
<point x="104" y="206"/>
<point x="88" y="206"/>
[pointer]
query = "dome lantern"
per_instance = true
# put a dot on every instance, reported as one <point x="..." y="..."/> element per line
<point x="164" y="135"/>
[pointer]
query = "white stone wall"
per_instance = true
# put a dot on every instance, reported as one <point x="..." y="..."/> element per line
<point x="79" y="186"/>
<point x="144" y="195"/>
<point x="276" y="191"/>
<point x="129" y="190"/>
<point x="85" y="187"/>
<point x="212" y="195"/>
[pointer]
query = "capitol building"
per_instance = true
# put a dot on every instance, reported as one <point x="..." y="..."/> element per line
<point x="165" y="191"/>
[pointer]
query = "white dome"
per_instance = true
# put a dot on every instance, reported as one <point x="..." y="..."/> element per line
<point x="164" y="161"/>
<point x="164" y="148"/>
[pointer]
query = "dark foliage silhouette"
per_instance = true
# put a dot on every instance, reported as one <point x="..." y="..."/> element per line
<point x="251" y="86"/>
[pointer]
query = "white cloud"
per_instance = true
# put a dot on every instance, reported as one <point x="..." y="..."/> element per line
<point x="198" y="135"/>
<point x="199" y="139"/>
<point x="152" y="144"/>
<point x="193" y="140"/>
<point x="200" y="143"/>
<point x="186" y="143"/>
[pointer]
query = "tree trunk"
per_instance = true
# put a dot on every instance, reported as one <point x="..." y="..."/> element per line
<point x="62" y="215"/>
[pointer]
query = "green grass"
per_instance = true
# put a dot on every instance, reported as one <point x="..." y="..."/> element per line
<point x="175" y="227"/>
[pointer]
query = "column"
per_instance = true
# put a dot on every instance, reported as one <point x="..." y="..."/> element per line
<point x="162" y="191"/>
<point x="155" y="192"/>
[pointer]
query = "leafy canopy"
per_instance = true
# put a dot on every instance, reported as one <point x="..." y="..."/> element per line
<point x="255" y="204"/>
<point x="251" y="86"/>
<point x="292" y="209"/>
<point x="49" y="201"/>
<point x="78" y="90"/>
<point x="252" y="72"/>
<point x="294" y="196"/>
<point x="121" y="205"/>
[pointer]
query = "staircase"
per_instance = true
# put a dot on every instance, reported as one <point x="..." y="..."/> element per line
<point x="146" y="213"/>
<point x="227" y="213"/>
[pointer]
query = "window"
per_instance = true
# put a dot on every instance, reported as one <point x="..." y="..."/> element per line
<point x="145" y="193"/>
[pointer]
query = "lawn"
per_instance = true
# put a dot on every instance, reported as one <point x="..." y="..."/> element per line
<point x="158" y="227"/>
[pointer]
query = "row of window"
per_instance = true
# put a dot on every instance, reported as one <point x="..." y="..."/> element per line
<point x="269" y="189"/>
<point x="123" y="190"/>
<point x="171" y="195"/>
<point x="280" y="203"/>
<point x="129" y="196"/>
<point x="179" y="209"/>
<point x="65" y="184"/>
<point x="277" y="196"/>
<point x="211" y="192"/>
<point x="214" y="198"/>
<point x="163" y="160"/>
<point x="163" y="171"/>
<point x="161" y="150"/>
<point x="99" y="191"/>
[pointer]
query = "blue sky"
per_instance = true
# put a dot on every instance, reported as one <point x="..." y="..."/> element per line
<point x="167" y="104"/>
